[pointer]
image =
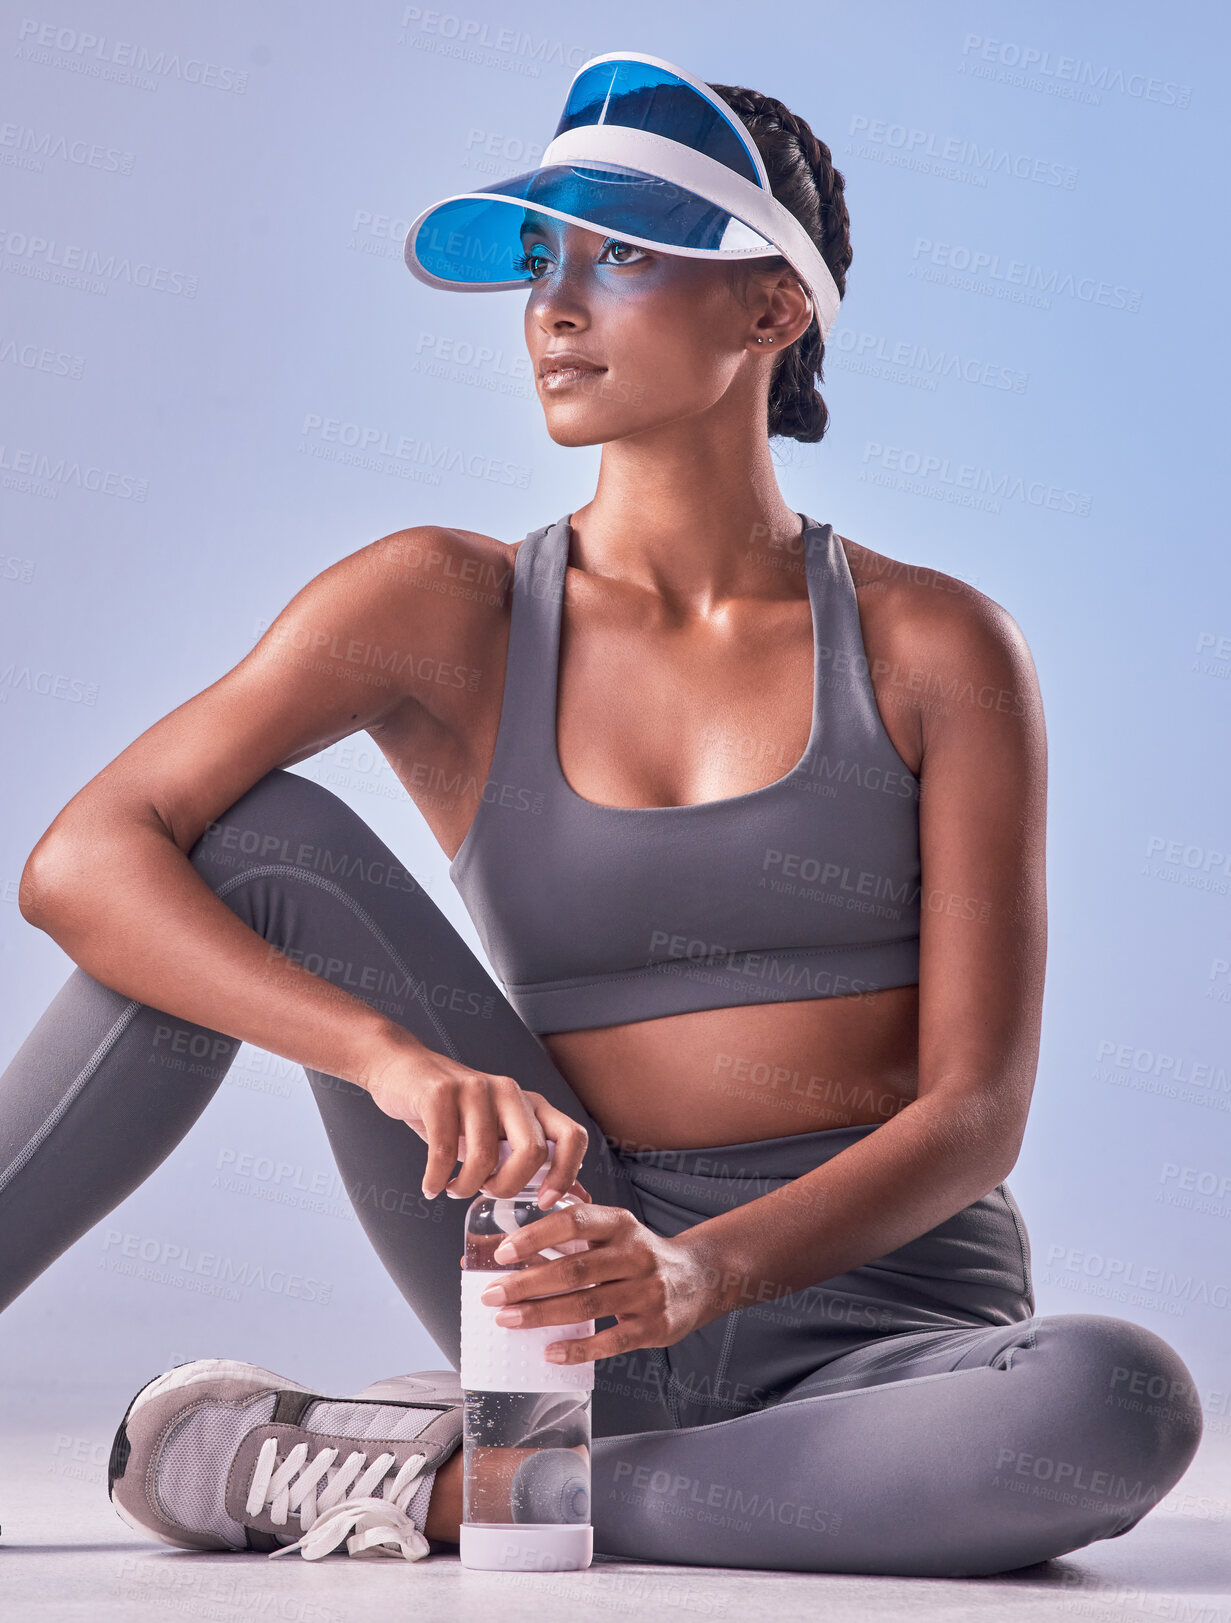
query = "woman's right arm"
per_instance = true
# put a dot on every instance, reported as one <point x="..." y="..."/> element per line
<point x="111" y="881"/>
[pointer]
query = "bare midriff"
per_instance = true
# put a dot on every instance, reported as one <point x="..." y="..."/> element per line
<point x="728" y="1076"/>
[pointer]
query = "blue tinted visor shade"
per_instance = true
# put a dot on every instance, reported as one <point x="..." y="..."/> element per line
<point x="480" y="240"/>
<point x="643" y="153"/>
<point x="643" y="94"/>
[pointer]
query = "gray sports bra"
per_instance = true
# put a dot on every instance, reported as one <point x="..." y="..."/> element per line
<point x="597" y="915"/>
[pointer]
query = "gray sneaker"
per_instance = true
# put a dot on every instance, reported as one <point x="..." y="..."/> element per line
<point x="220" y="1455"/>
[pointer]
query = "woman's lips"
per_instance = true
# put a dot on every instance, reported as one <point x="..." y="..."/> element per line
<point x="562" y="377"/>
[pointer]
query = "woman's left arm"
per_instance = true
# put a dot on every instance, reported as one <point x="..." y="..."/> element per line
<point x="983" y="938"/>
<point x="982" y="959"/>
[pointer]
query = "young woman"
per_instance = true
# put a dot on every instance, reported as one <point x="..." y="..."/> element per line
<point x="750" y="820"/>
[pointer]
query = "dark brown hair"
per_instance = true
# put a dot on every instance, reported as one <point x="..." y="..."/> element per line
<point x="803" y="179"/>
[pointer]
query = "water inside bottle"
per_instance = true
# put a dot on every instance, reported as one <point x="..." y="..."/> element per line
<point x="526" y="1455"/>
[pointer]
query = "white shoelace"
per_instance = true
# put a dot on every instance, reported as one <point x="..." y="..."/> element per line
<point x="345" y="1508"/>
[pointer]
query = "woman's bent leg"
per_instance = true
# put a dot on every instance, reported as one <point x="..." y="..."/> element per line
<point x="94" y="1100"/>
<point x="104" y="1087"/>
<point x="914" y="1417"/>
<point x="308" y="875"/>
<point x="1025" y="1447"/>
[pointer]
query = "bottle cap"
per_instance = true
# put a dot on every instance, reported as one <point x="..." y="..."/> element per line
<point x="504" y="1149"/>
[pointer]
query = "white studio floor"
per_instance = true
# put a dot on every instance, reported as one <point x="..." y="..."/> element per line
<point x="65" y="1555"/>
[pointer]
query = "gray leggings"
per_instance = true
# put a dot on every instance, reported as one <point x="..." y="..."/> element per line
<point x="914" y="1416"/>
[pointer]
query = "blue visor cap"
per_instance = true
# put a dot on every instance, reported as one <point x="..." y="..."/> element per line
<point x="643" y="152"/>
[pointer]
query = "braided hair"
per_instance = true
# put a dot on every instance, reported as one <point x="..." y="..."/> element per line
<point x="803" y="179"/>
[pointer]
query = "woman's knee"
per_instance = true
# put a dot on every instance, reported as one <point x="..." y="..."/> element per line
<point x="1129" y="1391"/>
<point x="289" y="827"/>
<point x="273" y="821"/>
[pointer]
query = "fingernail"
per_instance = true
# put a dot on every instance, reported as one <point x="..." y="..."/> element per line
<point x="504" y="1252"/>
<point x="554" y="1355"/>
<point x="547" y="1196"/>
<point x="453" y="1194"/>
<point x="510" y="1316"/>
<point x="495" y="1295"/>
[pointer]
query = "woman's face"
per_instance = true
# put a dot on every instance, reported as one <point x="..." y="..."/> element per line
<point x="666" y="337"/>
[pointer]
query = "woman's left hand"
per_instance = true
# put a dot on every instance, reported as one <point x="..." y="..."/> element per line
<point x="654" y="1287"/>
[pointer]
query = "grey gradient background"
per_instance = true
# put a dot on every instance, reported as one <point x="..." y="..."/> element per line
<point x="1048" y="427"/>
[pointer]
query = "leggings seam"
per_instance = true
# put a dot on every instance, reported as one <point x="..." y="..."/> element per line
<point x="62" y="1106"/>
<point x="669" y="1385"/>
<point x="687" y="1391"/>
<point x="720" y="1370"/>
<point x="1027" y="1289"/>
<point x="846" y="1392"/>
<point x="724" y="1357"/>
<point x="70" y="1094"/>
<point x="1030" y="1340"/>
<point x="290" y="870"/>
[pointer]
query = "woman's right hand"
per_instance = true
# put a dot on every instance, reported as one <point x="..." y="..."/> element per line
<point x="441" y="1100"/>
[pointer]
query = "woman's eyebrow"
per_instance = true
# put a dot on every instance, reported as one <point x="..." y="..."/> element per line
<point x="532" y="225"/>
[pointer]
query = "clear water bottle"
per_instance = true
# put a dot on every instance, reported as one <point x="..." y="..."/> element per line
<point x="526" y="1437"/>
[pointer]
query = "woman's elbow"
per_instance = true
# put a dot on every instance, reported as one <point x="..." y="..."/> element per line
<point x="43" y="882"/>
